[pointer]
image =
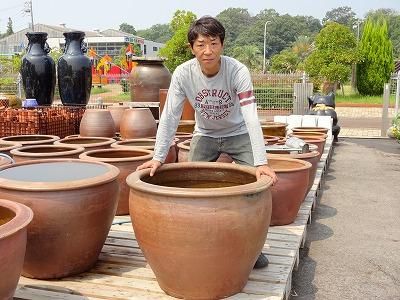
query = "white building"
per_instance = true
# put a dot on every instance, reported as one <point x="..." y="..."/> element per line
<point x="109" y="41"/>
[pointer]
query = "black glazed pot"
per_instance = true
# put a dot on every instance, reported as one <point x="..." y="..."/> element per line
<point x="38" y="70"/>
<point x="74" y="71"/>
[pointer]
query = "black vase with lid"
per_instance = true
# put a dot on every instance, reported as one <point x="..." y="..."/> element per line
<point x="38" y="70"/>
<point x="74" y="71"/>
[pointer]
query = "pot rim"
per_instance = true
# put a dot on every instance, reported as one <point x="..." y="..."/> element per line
<point x="310" y="154"/>
<point x="184" y="145"/>
<point x="305" y="165"/>
<point x="12" y="145"/>
<point x="120" y="144"/>
<point x="148" y="155"/>
<point x="23" y="216"/>
<point x="103" y="141"/>
<point x="47" y="139"/>
<point x="69" y="150"/>
<point x="310" y="129"/>
<point x="134" y="181"/>
<point x="36" y="186"/>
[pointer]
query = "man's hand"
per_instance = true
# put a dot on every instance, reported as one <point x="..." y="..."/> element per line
<point x="151" y="164"/>
<point x="266" y="170"/>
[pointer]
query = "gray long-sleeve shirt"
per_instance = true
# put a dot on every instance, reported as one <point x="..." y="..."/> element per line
<point x="224" y="106"/>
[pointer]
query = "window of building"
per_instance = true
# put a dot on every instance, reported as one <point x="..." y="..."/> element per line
<point x="155" y="48"/>
<point x="144" y="49"/>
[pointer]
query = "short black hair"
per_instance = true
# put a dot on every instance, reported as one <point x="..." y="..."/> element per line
<point x="207" y="26"/>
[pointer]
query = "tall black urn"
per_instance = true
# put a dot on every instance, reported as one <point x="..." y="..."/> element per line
<point x="74" y="71"/>
<point x="38" y="69"/>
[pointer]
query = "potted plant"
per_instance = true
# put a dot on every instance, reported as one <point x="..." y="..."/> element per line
<point x="394" y="131"/>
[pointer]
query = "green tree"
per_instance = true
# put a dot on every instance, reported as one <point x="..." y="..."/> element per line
<point x="286" y="62"/>
<point x="249" y="55"/>
<point x="160" y="33"/>
<point x="343" y="15"/>
<point x="10" y="30"/>
<point x="335" y="52"/>
<point x="125" y="27"/>
<point x="376" y="58"/>
<point x="176" y="50"/>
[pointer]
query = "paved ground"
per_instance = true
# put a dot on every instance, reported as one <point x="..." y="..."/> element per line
<point x="353" y="245"/>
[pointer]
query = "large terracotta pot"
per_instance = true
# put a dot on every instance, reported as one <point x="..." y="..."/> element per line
<point x="38" y="69"/>
<point x="146" y="144"/>
<point x="319" y="142"/>
<point x="31" y="139"/>
<point x="310" y="129"/>
<point x="74" y="203"/>
<point x="186" y="126"/>
<point x="312" y="157"/>
<point x="188" y="111"/>
<point x="74" y="71"/>
<point x="183" y="153"/>
<point x="45" y="152"/>
<point x="307" y="134"/>
<point x="201" y="226"/>
<point x="14" y="218"/>
<point x="6" y="147"/>
<point x="117" y="111"/>
<point x="148" y="76"/>
<point x="273" y="128"/>
<point x="89" y="143"/>
<point x="126" y="160"/>
<point x="97" y="122"/>
<point x="137" y="123"/>
<point x="290" y="189"/>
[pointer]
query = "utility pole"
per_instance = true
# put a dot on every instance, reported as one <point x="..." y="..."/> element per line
<point x="265" y="36"/>
<point x="354" y="67"/>
<point x="28" y="9"/>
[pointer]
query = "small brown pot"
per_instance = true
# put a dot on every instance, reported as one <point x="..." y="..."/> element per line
<point x="117" y="111"/>
<point x="290" y="189"/>
<point x="201" y="236"/>
<point x="89" y="143"/>
<point x="14" y="219"/>
<point x="31" y="139"/>
<point x="183" y="153"/>
<point x="6" y="147"/>
<point x="45" y="152"/>
<point x="310" y="129"/>
<point x="74" y="203"/>
<point x="274" y="128"/>
<point x="137" y="123"/>
<point x="187" y="112"/>
<point x="319" y="142"/>
<point x="126" y="160"/>
<point x="307" y="134"/>
<point x="270" y="139"/>
<point x="146" y="144"/>
<point x="97" y="122"/>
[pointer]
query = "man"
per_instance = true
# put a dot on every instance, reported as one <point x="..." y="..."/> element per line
<point x="220" y="90"/>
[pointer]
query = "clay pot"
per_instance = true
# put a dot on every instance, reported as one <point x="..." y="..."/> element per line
<point x="183" y="136"/>
<point x="187" y="112"/>
<point x="270" y="139"/>
<point x="6" y="147"/>
<point x="97" y="122"/>
<point x="319" y="142"/>
<point x="31" y="139"/>
<point x="74" y="203"/>
<point x="310" y="129"/>
<point x="186" y="126"/>
<point x="146" y="144"/>
<point x="201" y="236"/>
<point x="117" y="111"/>
<point x="14" y="219"/>
<point x="183" y="153"/>
<point x="148" y="76"/>
<point x="126" y="160"/>
<point x="89" y="143"/>
<point x="273" y="128"/>
<point x="290" y="189"/>
<point x="5" y="159"/>
<point x="307" y="134"/>
<point x="45" y="152"/>
<point x="137" y="123"/>
<point x="312" y="157"/>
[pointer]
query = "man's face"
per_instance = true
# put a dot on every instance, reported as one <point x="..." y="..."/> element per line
<point x="208" y="51"/>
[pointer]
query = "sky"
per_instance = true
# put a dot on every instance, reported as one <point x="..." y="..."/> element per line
<point x="101" y="15"/>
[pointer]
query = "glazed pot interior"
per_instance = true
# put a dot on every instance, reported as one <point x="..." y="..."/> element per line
<point x="45" y="149"/>
<point x="117" y="154"/>
<point x="6" y="215"/>
<point x="53" y="172"/>
<point x="284" y="165"/>
<point x="26" y="138"/>
<point x="199" y="178"/>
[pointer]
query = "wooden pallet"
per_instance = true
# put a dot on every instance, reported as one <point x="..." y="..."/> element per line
<point x="123" y="273"/>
